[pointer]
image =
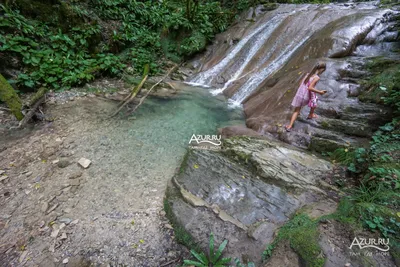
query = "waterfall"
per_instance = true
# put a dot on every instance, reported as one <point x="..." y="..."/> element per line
<point x="279" y="36"/>
<point x="260" y="76"/>
<point x="251" y="40"/>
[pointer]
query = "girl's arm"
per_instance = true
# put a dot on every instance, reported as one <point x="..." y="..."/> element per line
<point x="312" y="88"/>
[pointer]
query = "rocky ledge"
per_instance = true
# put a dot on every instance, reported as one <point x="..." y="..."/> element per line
<point x="245" y="192"/>
<point x="252" y="193"/>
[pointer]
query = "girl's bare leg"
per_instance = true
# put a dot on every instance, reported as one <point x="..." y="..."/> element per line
<point x="312" y="115"/>
<point x="294" y="117"/>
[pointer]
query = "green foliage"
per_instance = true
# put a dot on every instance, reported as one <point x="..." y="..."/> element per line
<point x="375" y="203"/>
<point x="135" y="33"/>
<point x="214" y="257"/>
<point x="54" y="59"/>
<point x="383" y="86"/>
<point x="302" y="234"/>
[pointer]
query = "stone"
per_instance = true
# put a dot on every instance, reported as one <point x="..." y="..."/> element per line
<point x="63" y="163"/>
<point x="2" y="178"/>
<point x="55" y="161"/>
<point x="263" y="232"/>
<point x="67" y="210"/>
<point x="22" y="257"/>
<point x="52" y="247"/>
<point x="54" y="233"/>
<point x="65" y="261"/>
<point x="74" y="175"/>
<point x="28" y="174"/>
<point x="75" y="221"/>
<point x="84" y="163"/>
<point x="163" y="213"/>
<point x="168" y="226"/>
<point x="74" y="182"/>
<point x="63" y="236"/>
<point x="52" y="208"/>
<point x="1" y="172"/>
<point x="65" y="220"/>
<point x="45" y="206"/>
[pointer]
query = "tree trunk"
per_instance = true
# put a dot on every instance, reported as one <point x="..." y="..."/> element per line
<point x="11" y="98"/>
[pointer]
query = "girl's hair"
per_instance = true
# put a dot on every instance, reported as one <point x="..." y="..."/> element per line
<point x="318" y="66"/>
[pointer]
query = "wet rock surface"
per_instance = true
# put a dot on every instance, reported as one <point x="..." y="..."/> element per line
<point x="244" y="204"/>
<point x="262" y="71"/>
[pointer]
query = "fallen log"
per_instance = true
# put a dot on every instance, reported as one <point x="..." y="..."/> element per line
<point x="37" y="100"/>
<point x="148" y="92"/>
<point x="134" y="92"/>
<point x="31" y="112"/>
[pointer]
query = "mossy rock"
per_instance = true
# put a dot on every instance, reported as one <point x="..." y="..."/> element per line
<point x="270" y="6"/>
<point x="10" y="97"/>
<point x="302" y="234"/>
<point x="324" y="145"/>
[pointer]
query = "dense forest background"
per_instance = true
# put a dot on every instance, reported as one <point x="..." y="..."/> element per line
<point x="58" y="44"/>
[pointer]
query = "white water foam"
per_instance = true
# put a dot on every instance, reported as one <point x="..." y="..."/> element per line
<point x="265" y="34"/>
<point x="197" y="84"/>
<point x="259" y="77"/>
<point x="206" y="76"/>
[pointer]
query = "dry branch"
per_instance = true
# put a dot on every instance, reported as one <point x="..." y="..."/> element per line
<point x="31" y="112"/>
<point x="134" y="92"/>
<point x="148" y="92"/>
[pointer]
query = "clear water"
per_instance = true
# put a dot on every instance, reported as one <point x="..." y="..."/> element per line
<point x="158" y="136"/>
<point x="141" y="153"/>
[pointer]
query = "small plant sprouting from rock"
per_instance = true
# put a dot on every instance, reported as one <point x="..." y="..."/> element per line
<point x="213" y="259"/>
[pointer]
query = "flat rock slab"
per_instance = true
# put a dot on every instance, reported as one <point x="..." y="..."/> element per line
<point x="243" y="204"/>
<point x="222" y="183"/>
<point x="279" y="163"/>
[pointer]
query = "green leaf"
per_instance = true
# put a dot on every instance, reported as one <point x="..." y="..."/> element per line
<point x="29" y="83"/>
<point x="201" y="257"/>
<point x="223" y="261"/>
<point x="195" y="263"/>
<point x="220" y="250"/>
<point x="211" y="247"/>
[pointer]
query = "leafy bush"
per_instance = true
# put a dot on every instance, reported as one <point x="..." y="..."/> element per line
<point x="116" y="33"/>
<point x="375" y="202"/>
<point x="51" y="58"/>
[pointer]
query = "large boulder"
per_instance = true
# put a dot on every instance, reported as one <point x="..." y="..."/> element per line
<point x="243" y="193"/>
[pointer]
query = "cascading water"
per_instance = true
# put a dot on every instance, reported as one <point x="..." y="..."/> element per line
<point x="276" y="37"/>
<point x="259" y="38"/>
<point x="257" y="78"/>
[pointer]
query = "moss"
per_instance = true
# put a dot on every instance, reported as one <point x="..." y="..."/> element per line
<point x="324" y="145"/>
<point x="270" y="6"/>
<point x="185" y="159"/>
<point x="10" y="97"/>
<point x="181" y="235"/>
<point x="325" y="124"/>
<point x="302" y="234"/>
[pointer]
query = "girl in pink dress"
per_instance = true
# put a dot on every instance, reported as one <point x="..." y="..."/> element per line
<point x="307" y="94"/>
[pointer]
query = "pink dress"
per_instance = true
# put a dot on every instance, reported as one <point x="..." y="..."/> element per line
<point x="303" y="95"/>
